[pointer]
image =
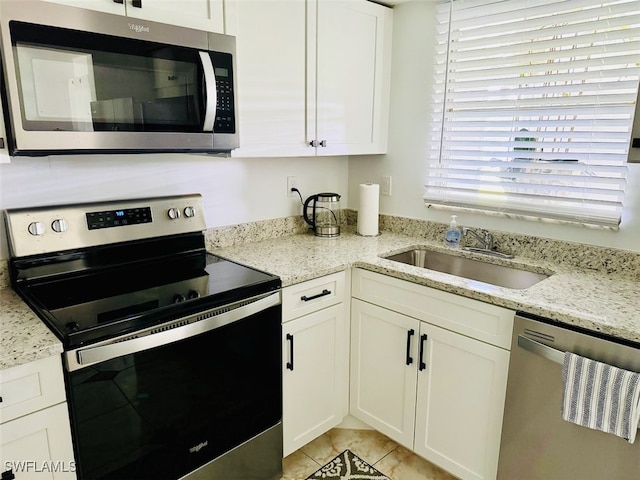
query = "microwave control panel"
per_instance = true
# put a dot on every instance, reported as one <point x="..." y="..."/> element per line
<point x="225" y="108"/>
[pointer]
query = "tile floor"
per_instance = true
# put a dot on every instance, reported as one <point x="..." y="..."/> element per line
<point x="388" y="457"/>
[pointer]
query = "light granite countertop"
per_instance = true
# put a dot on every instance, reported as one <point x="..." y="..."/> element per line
<point x="598" y="301"/>
<point x="598" y="294"/>
<point x="23" y="336"/>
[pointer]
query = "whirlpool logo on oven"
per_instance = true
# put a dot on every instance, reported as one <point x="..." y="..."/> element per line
<point x="138" y="28"/>
<point x="199" y="447"/>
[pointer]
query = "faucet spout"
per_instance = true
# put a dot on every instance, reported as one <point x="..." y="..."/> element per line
<point x="484" y="238"/>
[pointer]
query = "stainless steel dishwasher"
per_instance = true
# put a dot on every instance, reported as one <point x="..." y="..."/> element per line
<point x="537" y="444"/>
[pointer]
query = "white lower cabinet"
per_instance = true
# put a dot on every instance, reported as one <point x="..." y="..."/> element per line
<point x="459" y="403"/>
<point x="434" y="390"/>
<point x="383" y="386"/>
<point x="38" y="446"/>
<point x="35" y="433"/>
<point x="315" y="360"/>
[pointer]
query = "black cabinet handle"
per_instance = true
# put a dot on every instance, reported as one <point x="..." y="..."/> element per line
<point x="324" y="292"/>
<point x="118" y="1"/>
<point x="410" y="334"/>
<point x="423" y="338"/>
<point x="290" y="340"/>
<point x="136" y="3"/>
<point x="8" y="475"/>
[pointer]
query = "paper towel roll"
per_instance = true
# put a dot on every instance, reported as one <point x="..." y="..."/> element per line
<point x="368" y="209"/>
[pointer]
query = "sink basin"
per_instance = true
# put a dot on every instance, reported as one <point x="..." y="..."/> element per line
<point x="500" y="275"/>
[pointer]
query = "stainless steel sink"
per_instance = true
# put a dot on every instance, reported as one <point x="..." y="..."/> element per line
<point x="500" y="275"/>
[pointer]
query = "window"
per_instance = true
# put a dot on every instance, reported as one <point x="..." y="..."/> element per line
<point x="535" y="108"/>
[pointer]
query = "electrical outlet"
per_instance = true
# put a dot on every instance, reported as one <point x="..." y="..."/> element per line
<point x="385" y="187"/>
<point x="292" y="182"/>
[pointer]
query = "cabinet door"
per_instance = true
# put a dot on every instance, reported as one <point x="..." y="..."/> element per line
<point x="271" y="64"/>
<point x="108" y="6"/>
<point x="383" y="370"/>
<point x="352" y="73"/>
<point x="315" y="375"/>
<point x="199" y="14"/>
<point x="38" y="446"/>
<point x="460" y="401"/>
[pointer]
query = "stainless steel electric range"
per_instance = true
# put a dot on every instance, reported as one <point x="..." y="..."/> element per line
<point x="172" y="355"/>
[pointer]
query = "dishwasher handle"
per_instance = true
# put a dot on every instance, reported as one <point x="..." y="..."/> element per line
<point x="541" y="349"/>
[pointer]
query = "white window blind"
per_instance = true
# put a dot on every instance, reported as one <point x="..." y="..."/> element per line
<point x="534" y="107"/>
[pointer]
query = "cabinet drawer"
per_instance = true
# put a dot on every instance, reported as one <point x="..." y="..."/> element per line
<point x="30" y="387"/>
<point x="313" y="295"/>
<point x="475" y="319"/>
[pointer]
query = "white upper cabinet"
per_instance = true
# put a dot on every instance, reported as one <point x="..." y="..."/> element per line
<point x="108" y="6"/>
<point x="200" y="14"/>
<point x="271" y="76"/>
<point x="352" y="71"/>
<point x="313" y="76"/>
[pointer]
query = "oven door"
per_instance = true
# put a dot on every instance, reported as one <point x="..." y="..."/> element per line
<point x="171" y="409"/>
<point x="80" y="81"/>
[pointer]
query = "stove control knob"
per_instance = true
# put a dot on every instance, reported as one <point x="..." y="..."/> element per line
<point x="174" y="213"/>
<point x="36" y="228"/>
<point x="72" y="326"/>
<point x="189" y="212"/>
<point x="60" y="225"/>
<point x="193" y="294"/>
<point x="179" y="298"/>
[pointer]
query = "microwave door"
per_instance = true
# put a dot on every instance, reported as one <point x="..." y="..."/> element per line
<point x="211" y="92"/>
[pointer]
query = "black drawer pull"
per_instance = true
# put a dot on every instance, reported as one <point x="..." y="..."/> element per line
<point x="324" y="293"/>
<point x="118" y="1"/>
<point x="410" y="334"/>
<point x="423" y="338"/>
<point x="137" y="3"/>
<point x="290" y="340"/>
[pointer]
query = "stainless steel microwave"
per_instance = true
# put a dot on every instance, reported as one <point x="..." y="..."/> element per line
<point x="79" y="81"/>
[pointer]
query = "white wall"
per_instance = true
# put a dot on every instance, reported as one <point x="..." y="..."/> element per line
<point x="235" y="190"/>
<point x="410" y="97"/>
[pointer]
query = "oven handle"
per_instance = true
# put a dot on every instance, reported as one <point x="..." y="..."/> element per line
<point x="87" y="356"/>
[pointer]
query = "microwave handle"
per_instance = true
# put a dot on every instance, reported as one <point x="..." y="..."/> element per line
<point x="211" y="91"/>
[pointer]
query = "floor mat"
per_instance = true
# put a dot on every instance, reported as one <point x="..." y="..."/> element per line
<point x="348" y="466"/>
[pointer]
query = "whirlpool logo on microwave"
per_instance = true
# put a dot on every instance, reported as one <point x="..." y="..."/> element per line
<point x="199" y="447"/>
<point x="138" y="28"/>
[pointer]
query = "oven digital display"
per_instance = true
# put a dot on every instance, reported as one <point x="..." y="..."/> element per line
<point x="118" y="218"/>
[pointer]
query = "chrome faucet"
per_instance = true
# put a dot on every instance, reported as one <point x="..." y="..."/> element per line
<point x="485" y="242"/>
<point x="484" y="238"/>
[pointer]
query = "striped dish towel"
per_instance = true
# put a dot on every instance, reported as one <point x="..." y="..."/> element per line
<point x="600" y="396"/>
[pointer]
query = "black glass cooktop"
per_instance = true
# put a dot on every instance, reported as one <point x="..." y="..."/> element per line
<point x="98" y="303"/>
